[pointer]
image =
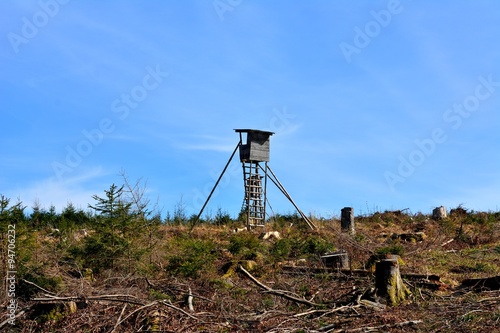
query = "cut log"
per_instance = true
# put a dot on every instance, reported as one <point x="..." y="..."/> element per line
<point x="388" y="281"/>
<point x="490" y="283"/>
<point x="339" y="259"/>
<point x="413" y="237"/>
<point x="301" y="270"/>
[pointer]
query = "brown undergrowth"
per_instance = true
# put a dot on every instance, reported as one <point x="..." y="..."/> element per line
<point x="215" y="280"/>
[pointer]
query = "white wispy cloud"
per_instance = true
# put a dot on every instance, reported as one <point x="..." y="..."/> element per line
<point x="50" y="191"/>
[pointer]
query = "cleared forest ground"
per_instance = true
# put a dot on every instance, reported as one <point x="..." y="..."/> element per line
<point x="214" y="280"/>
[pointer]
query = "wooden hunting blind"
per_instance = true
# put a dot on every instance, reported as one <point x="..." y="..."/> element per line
<point x="254" y="148"/>
<point x="254" y="151"/>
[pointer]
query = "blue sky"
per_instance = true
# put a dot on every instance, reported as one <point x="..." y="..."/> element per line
<point x="375" y="104"/>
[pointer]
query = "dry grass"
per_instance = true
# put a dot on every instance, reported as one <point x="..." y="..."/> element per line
<point x="204" y="264"/>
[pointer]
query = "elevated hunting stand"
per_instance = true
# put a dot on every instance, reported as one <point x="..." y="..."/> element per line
<point x="253" y="153"/>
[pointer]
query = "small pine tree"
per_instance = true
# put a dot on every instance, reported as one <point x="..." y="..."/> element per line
<point x="113" y="230"/>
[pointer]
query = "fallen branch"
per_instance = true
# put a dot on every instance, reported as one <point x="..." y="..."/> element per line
<point x="37" y="286"/>
<point x="319" y="270"/>
<point x="370" y="304"/>
<point x="375" y="328"/>
<point x="492" y="283"/>
<point x="415" y="276"/>
<point x="281" y="293"/>
<point x="110" y="298"/>
<point x="328" y="328"/>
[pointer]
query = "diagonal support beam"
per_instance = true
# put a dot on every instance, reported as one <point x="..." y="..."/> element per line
<point x="213" y="189"/>
<point x="280" y="186"/>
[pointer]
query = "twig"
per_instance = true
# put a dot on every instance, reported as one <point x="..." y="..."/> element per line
<point x="352" y="307"/>
<point x="136" y="310"/>
<point x="37" y="286"/>
<point x="179" y="290"/>
<point x="170" y="305"/>
<point x="490" y="299"/>
<point x="302" y="314"/>
<point x="468" y="313"/>
<point x="325" y="312"/>
<point x="447" y="242"/>
<point x="278" y="292"/>
<point x="119" y="318"/>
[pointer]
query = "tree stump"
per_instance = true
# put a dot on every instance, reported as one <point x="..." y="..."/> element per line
<point x="439" y="213"/>
<point x="347" y="220"/>
<point x="388" y="281"/>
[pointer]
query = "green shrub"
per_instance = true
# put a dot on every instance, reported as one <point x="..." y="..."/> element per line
<point x="281" y="249"/>
<point x="395" y="249"/>
<point x="193" y="257"/>
<point x="49" y="312"/>
<point x="478" y="267"/>
<point x="381" y="253"/>
<point x="38" y="277"/>
<point x="99" y="251"/>
<point x="158" y="295"/>
<point x="281" y="221"/>
<point x="222" y="218"/>
<point x="244" y="243"/>
<point x="316" y="245"/>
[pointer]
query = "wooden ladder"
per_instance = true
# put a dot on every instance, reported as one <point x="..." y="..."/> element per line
<point x="253" y="202"/>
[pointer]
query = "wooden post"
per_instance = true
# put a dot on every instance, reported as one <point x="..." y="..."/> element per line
<point x="347" y="220"/>
<point x="388" y="281"/>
